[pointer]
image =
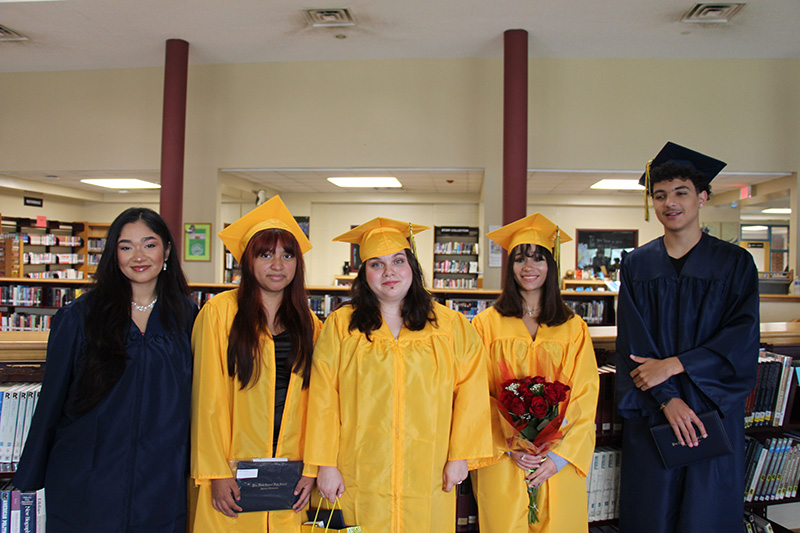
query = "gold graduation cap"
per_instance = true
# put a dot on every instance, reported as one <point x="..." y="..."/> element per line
<point x="271" y="214"/>
<point x="381" y="236"/>
<point x="533" y="229"/>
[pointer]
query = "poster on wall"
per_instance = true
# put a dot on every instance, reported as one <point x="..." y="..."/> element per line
<point x="196" y="242"/>
<point x="495" y="250"/>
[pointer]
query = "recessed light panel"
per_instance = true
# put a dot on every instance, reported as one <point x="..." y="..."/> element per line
<point x="367" y="182"/>
<point x="122" y="183"/>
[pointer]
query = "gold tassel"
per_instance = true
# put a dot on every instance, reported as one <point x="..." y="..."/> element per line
<point x="411" y="238"/>
<point x="557" y="251"/>
<point x="647" y="191"/>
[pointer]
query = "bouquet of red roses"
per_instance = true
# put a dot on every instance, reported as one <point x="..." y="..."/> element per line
<point x="531" y="405"/>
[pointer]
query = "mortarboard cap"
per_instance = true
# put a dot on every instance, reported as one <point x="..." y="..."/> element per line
<point x="707" y="166"/>
<point x="380" y="236"/>
<point x="271" y="214"/>
<point x="675" y="153"/>
<point x="533" y="229"/>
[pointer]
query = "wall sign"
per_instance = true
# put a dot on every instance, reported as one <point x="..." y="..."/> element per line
<point x="197" y="242"/>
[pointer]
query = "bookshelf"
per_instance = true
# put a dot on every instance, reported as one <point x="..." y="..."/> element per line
<point x="45" y="248"/>
<point x="93" y="240"/>
<point x="455" y="257"/>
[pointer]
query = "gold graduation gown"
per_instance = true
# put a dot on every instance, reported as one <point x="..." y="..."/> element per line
<point x="390" y="413"/>
<point x="500" y="487"/>
<point x="229" y="423"/>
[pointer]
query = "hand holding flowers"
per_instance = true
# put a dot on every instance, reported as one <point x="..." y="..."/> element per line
<point x="531" y="406"/>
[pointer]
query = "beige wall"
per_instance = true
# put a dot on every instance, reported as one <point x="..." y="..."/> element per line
<point x="584" y="114"/>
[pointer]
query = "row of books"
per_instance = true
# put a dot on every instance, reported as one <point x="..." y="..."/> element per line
<point x="30" y="258"/>
<point x="456" y="248"/>
<point x="607" y="421"/>
<point x="466" y="508"/>
<point x="96" y="245"/>
<point x="468" y="307"/>
<point x="66" y="273"/>
<point x="51" y="239"/>
<point x="772" y="468"/>
<point x="766" y="405"/>
<point x="323" y="305"/>
<point x="28" y="295"/>
<point x="591" y="311"/>
<point x="455" y="267"/>
<point x="602" y="484"/>
<point x="16" y="412"/>
<point x="460" y="283"/>
<point x="21" y="512"/>
<point x="24" y="322"/>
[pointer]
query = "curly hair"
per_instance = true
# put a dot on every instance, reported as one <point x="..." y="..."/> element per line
<point x="674" y="171"/>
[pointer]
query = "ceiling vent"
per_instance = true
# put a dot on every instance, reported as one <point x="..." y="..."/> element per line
<point x="7" y="34"/>
<point x="330" y="18"/>
<point x="712" y="13"/>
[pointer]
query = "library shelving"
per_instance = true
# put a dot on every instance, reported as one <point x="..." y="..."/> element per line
<point x="93" y="237"/>
<point x="456" y="258"/>
<point x="45" y="248"/>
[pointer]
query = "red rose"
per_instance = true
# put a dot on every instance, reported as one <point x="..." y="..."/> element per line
<point x="560" y="389"/>
<point x="538" y="407"/>
<point x="551" y="395"/>
<point x="517" y="407"/>
<point x="538" y="380"/>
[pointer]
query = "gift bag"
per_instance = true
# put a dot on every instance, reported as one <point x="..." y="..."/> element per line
<point x="328" y="520"/>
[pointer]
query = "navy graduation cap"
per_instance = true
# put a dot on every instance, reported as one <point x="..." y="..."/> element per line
<point x="680" y="155"/>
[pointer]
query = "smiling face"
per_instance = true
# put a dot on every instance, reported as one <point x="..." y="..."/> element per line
<point x="530" y="269"/>
<point x="140" y="253"/>
<point x="677" y="204"/>
<point x="389" y="277"/>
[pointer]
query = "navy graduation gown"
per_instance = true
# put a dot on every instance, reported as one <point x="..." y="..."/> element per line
<point x="708" y="316"/>
<point x="121" y="466"/>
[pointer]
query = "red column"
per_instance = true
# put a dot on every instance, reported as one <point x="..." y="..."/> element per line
<point x="173" y="135"/>
<point x="515" y="125"/>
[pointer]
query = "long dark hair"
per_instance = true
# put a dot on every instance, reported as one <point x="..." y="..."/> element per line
<point x="250" y="323"/>
<point x="552" y="311"/>
<point x="107" y="321"/>
<point x="417" y="309"/>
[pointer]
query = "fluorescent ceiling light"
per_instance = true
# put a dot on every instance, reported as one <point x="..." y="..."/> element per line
<point x="778" y="211"/>
<point x="754" y="228"/>
<point x="122" y="183"/>
<point x="618" y="185"/>
<point x="368" y="182"/>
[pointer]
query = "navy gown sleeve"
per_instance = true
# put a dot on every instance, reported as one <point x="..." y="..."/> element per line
<point x="724" y="367"/>
<point x="63" y="345"/>
<point x="634" y="337"/>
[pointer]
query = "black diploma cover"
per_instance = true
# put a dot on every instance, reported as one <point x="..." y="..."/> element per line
<point x="674" y="455"/>
<point x="267" y="485"/>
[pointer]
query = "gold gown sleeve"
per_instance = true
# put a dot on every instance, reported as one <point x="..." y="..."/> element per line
<point x="322" y="425"/>
<point x="211" y="412"/>
<point x="470" y="436"/>
<point x="577" y="446"/>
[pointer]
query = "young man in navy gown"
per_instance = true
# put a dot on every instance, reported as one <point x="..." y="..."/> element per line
<point x="687" y="344"/>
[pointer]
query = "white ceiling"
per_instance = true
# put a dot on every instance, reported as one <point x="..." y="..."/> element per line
<point x="101" y="34"/>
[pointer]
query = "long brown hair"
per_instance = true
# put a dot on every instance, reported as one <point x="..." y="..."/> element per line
<point x="417" y="309"/>
<point x="250" y="323"/>
<point x="552" y="311"/>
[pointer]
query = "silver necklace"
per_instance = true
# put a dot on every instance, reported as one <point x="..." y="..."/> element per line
<point x="528" y="312"/>
<point x="144" y="308"/>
